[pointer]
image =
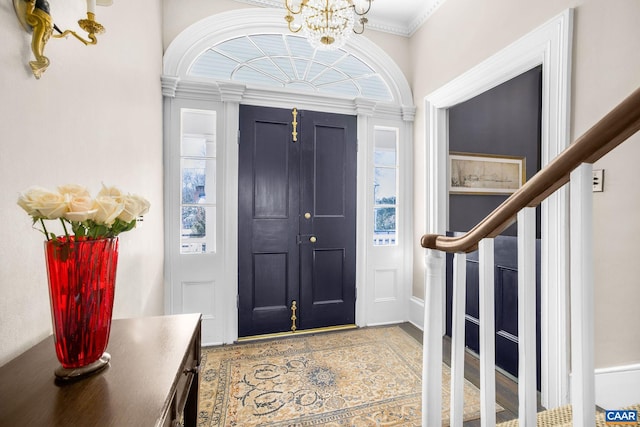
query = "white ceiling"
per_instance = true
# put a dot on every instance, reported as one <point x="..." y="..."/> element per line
<point x="400" y="17"/>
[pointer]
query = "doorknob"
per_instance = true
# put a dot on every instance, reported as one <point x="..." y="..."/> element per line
<point x="313" y="239"/>
<point x="307" y="215"/>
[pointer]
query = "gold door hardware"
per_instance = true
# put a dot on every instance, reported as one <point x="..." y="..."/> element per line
<point x="307" y="215"/>
<point x="293" y="315"/>
<point x="294" y="133"/>
<point x="304" y="238"/>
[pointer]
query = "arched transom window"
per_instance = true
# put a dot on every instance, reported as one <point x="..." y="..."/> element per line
<point x="288" y="61"/>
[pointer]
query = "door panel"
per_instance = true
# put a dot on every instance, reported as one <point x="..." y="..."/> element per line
<point x="271" y="170"/>
<point x="328" y="179"/>
<point x="329" y="163"/>
<point x="506" y="298"/>
<point x="268" y="210"/>
<point x="296" y="220"/>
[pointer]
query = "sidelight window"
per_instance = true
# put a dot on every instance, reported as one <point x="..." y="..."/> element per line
<point x="198" y="182"/>
<point x="385" y="186"/>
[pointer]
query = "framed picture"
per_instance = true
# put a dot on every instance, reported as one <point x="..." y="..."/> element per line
<point x="471" y="173"/>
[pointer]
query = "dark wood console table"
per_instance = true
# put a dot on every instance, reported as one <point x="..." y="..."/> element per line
<point x="152" y="380"/>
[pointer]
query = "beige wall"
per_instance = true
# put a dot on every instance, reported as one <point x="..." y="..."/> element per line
<point x="180" y="14"/>
<point x="95" y="116"/>
<point x="606" y="68"/>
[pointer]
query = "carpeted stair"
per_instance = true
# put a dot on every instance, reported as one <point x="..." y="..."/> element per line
<point x="562" y="417"/>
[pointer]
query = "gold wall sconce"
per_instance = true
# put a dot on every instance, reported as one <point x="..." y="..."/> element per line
<point x="35" y="17"/>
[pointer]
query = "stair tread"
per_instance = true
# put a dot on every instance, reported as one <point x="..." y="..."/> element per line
<point x="562" y="417"/>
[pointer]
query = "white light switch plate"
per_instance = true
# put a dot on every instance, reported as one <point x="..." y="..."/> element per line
<point x="598" y="180"/>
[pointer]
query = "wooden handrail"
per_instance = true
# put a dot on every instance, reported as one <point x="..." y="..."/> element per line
<point x="613" y="129"/>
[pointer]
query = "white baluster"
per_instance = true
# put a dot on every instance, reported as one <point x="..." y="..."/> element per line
<point x="582" y="305"/>
<point x="487" y="334"/>
<point x="457" y="339"/>
<point x="432" y="340"/>
<point x="527" y="317"/>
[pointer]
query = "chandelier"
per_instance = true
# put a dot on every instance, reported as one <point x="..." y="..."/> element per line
<point x="327" y="24"/>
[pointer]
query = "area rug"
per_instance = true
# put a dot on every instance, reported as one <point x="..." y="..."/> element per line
<point x="362" y="377"/>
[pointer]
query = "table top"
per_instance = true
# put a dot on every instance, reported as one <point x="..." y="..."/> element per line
<point x="147" y="356"/>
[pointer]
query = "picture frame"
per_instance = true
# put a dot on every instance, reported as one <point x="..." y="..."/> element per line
<point x="476" y="173"/>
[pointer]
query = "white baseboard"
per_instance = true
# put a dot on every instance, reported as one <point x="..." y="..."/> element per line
<point x="416" y="312"/>
<point x="618" y="386"/>
<point x="391" y="322"/>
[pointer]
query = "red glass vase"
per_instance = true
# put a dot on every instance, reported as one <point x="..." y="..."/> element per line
<point x="82" y="275"/>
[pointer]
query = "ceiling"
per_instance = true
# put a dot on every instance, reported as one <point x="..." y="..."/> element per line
<point x="400" y="17"/>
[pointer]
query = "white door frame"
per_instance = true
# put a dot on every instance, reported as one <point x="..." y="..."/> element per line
<point x="177" y="85"/>
<point x="549" y="46"/>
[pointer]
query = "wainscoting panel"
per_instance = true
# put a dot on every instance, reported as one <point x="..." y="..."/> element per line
<point x="198" y="297"/>
<point x="386" y="285"/>
<point x="202" y="297"/>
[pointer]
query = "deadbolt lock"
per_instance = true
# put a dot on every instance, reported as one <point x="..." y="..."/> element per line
<point x="313" y="239"/>
<point x="307" y="215"/>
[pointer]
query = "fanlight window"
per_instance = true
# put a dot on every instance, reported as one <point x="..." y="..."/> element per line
<point x="289" y="62"/>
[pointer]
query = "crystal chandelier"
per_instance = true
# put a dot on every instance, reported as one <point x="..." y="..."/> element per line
<point x="327" y="23"/>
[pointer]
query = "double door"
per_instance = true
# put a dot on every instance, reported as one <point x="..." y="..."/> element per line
<point x="296" y="220"/>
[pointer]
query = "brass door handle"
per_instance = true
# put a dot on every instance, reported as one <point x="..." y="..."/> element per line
<point x="294" y="307"/>
<point x="313" y="239"/>
<point x="307" y="215"/>
<point x="294" y="123"/>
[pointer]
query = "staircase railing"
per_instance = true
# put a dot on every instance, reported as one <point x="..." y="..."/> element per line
<point x="574" y="166"/>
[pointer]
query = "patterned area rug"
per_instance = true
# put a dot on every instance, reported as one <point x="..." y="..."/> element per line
<point x="362" y="377"/>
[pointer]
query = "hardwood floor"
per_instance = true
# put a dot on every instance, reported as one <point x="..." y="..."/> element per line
<point x="506" y="388"/>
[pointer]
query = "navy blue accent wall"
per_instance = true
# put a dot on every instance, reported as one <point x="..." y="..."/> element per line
<point x="505" y="120"/>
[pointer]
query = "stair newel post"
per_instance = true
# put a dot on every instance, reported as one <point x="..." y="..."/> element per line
<point x="432" y="339"/>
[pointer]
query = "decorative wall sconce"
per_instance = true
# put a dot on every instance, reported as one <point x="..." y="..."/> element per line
<point x="35" y="17"/>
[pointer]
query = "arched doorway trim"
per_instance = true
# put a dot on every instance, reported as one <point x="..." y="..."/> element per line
<point x="189" y="45"/>
<point x="184" y="91"/>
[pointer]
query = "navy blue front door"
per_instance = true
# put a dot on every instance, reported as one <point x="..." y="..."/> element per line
<point x="296" y="220"/>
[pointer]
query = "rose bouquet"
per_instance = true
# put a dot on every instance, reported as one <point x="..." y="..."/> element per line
<point x="110" y="213"/>
<point x="81" y="267"/>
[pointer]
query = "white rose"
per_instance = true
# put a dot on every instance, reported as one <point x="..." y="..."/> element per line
<point x="134" y="206"/>
<point x="145" y="205"/>
<point x="81" y="208"/>
<point x="26" y="199"/>
<point x="107" y="209"/>
<point x="43" y="203"/>
<point x="112" y="192"/>
<point x="74" y="190"/>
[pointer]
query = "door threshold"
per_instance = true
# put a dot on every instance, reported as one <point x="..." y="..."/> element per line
<point x="296" y="333"/>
